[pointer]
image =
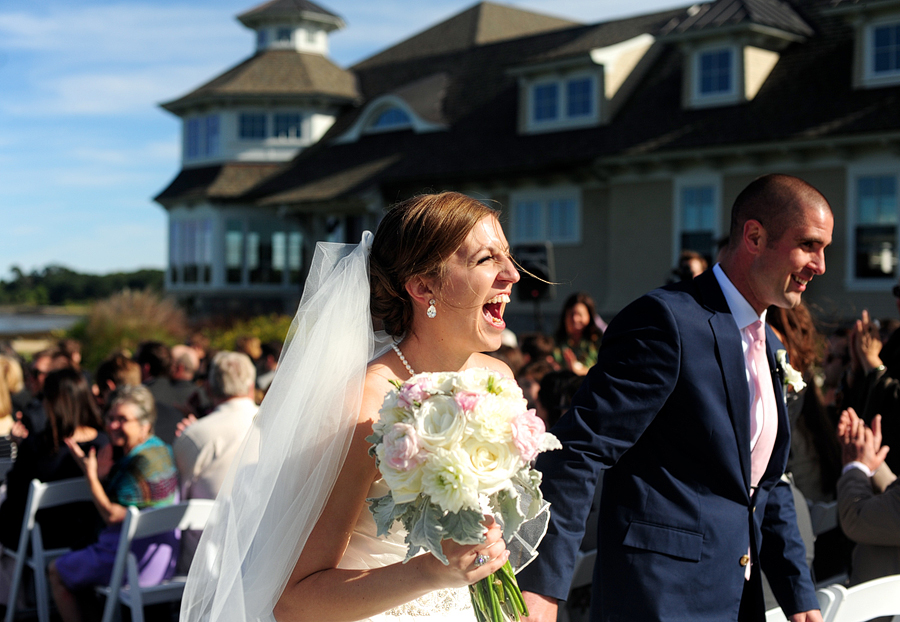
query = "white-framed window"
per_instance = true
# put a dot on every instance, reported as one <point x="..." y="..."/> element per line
<point x="262" y="252"/>
<point x="283" y="34"/>
<point x="262" y="39"/>
<point x="393" y="118"/>
<point x="190" y="251"/>
<point x="697" y="206"/>
<point x="881" y="47"/>
<point x="252" y="125"/>
<point x="201" y="137"/>
<point x="715" y="74"/>
<point x="560" y="102"/>
<point x="552" y="215"/>
<point x="873" y="220"/>
<point x="287" y="125"/>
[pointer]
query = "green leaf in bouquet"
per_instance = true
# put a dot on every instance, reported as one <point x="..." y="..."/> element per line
<point x="385" y="512"/>
<point x="528" y="482"/>
<point x="464" y="526"/>
<point x="424" y="529"/>
<point x="506" y="503"/>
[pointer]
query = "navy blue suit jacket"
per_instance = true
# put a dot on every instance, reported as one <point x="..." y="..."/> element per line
<point x="667" y="411"/>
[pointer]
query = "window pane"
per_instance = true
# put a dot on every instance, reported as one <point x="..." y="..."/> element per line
<point x="252" y="125"/>
<point x="562" y="220"/>
<point x="284" y="34"/>
<point x="876" y="252"/>
<point x="295" y="256"/>
<point x="287" y="125"/>
<point x="877" y="200"/>
<point x="212" y="135"/>
<point x="189" y="251"/>
<point x="715" y="72"/>
<point x="193" y="138"/>
<point x="546" y="98"/>
<point x="392" y="117"/>
<point x="174" y="248"/>
<point x="698" y="218"/>
<point x="886" y="48"/>
<point x="528" y="217"/>
<point x="261" y="241"/>
<point x="262" y="38"/>
<point x="578" y="97"/>
<point x="234" y="250"/>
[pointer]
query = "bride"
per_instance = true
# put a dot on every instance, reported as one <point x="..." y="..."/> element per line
<point x="291" y="536"/>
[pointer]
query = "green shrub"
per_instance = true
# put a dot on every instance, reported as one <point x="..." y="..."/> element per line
<point x="124" y="320"/>
<point x="272" y="327"/>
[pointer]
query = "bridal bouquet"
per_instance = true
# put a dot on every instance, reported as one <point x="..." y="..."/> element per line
<point x="453" y="447"/>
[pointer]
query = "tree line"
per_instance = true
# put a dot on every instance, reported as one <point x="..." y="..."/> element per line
<point x="58" y="285"/>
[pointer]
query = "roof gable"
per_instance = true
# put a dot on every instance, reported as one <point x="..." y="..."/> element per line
<point x="775" y="14"/>
<point x="479" y="25"/>
<point x="290" y="10"/>
<point x="275" y="73"/>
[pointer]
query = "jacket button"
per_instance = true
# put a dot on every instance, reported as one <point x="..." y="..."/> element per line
<point x="745" y="559"/>
<point x="753" y="510"/>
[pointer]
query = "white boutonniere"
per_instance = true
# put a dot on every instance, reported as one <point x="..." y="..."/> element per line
<point x="793" y="379"/>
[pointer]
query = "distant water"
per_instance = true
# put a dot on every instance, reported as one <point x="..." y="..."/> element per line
<point x="24" y="324"/>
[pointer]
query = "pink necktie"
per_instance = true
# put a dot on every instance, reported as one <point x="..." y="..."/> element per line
<point x="761" y="451"/>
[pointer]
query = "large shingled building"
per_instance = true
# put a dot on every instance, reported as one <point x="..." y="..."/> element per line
<point x="620" y="143"/>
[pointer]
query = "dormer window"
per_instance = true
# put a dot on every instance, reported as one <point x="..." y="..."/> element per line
<point x="563" y="102"/>
<point x="201" y="137"/>
<point x="715" y="76"/>
<point x="391" y="119"/>
<point x="288" y="125"/>
<point x="283" y="34"/>
<point x="883" y="52"/>
<point x="252" y="125"/>
<point x="715" y="73"/>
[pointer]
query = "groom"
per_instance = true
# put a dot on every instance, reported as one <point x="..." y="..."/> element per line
<point x="685" y="408"/>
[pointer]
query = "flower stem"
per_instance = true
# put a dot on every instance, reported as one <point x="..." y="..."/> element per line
<point x="497" y="598"/>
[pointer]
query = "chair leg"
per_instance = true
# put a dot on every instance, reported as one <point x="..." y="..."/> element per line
<point x="42" y="593"/>
<point x="14" y="587"/>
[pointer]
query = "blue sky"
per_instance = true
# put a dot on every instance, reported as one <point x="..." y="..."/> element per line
<point x="84" y="145"/>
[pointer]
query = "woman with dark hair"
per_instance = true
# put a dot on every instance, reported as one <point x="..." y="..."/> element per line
<point x="577" y="336"/>
<point x="815" y="458"/>
<point x="72" y="416"/>
<point x="292" y="537"/>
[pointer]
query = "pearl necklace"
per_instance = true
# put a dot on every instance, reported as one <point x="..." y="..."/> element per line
<point x="403" y="360"/>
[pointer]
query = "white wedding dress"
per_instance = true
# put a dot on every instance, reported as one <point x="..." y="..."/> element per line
<point x="366" y="550"/>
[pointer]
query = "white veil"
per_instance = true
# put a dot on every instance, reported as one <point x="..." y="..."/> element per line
<point x="275" y="491"/>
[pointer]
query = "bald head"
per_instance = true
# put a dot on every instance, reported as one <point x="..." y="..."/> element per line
<point x="777" y="202"/>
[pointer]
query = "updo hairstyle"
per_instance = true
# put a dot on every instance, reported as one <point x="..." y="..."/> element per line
<point x="416" y="238"/>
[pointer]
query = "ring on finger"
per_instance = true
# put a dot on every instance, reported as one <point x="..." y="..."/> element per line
<point x="481" y="559"/>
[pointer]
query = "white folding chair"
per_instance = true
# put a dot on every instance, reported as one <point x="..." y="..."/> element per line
<point x="41" y="496"/>
<point x="827" y="601"/>
<point x="872" y="599"/>
<point x="191" y="514"/>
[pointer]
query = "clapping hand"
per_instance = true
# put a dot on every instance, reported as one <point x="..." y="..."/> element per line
<point x="865" y="343"/>
<point x="92" y="464"/>
<point x="183" y="425"/>
<point x="860" y="443"/>
<point x="19" y="432"/>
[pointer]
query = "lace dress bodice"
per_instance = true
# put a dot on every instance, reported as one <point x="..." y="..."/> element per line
<point x="366" y="551"/>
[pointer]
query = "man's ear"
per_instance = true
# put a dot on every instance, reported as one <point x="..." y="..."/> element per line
<point x="754" y="238"/>
<point x="420" y="290"/>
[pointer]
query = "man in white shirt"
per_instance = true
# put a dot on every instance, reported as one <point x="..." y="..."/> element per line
<point x="205" y="450"/>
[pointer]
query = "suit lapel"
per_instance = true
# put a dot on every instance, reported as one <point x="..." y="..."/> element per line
<point x="782" y="440"/>
<point x="729" y="351"/>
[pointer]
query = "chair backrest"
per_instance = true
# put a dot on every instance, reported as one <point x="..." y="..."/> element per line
<point x="827" y="601"/>
<point x="873" y="599"/>
<point x="51" y="494"/>
<point x="191" y="514"/>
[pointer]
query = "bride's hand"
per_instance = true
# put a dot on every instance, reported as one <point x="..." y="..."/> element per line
<point x="462" y="570"/>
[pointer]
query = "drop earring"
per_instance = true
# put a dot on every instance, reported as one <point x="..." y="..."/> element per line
<point x="432" y="310"/>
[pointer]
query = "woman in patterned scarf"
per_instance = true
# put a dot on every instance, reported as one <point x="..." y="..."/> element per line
<point x="145" y="476"/>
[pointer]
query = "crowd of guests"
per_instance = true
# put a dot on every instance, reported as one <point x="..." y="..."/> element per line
<point x="163" y="424"/>
<point x="144" y="429"/>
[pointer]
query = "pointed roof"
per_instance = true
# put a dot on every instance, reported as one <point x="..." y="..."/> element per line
<point x="274" y="73"/>
<point x="218" y="182"/>
<point x="484" y="23"/>
<point x="291" y="11"/>
<point x="775" y="14"/>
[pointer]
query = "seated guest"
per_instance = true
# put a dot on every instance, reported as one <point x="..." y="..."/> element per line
<point x="144" y="477"/>
<point x="170" y="395"/>
<point x="206" y="448"/>
<point x="578" y="336"/>
<point x="116" y="371"/>
<point x="868" y="500"/>
<point x="45" y="456"/>
<point x="11" y="372"/>
<point x="271" y="352"/>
